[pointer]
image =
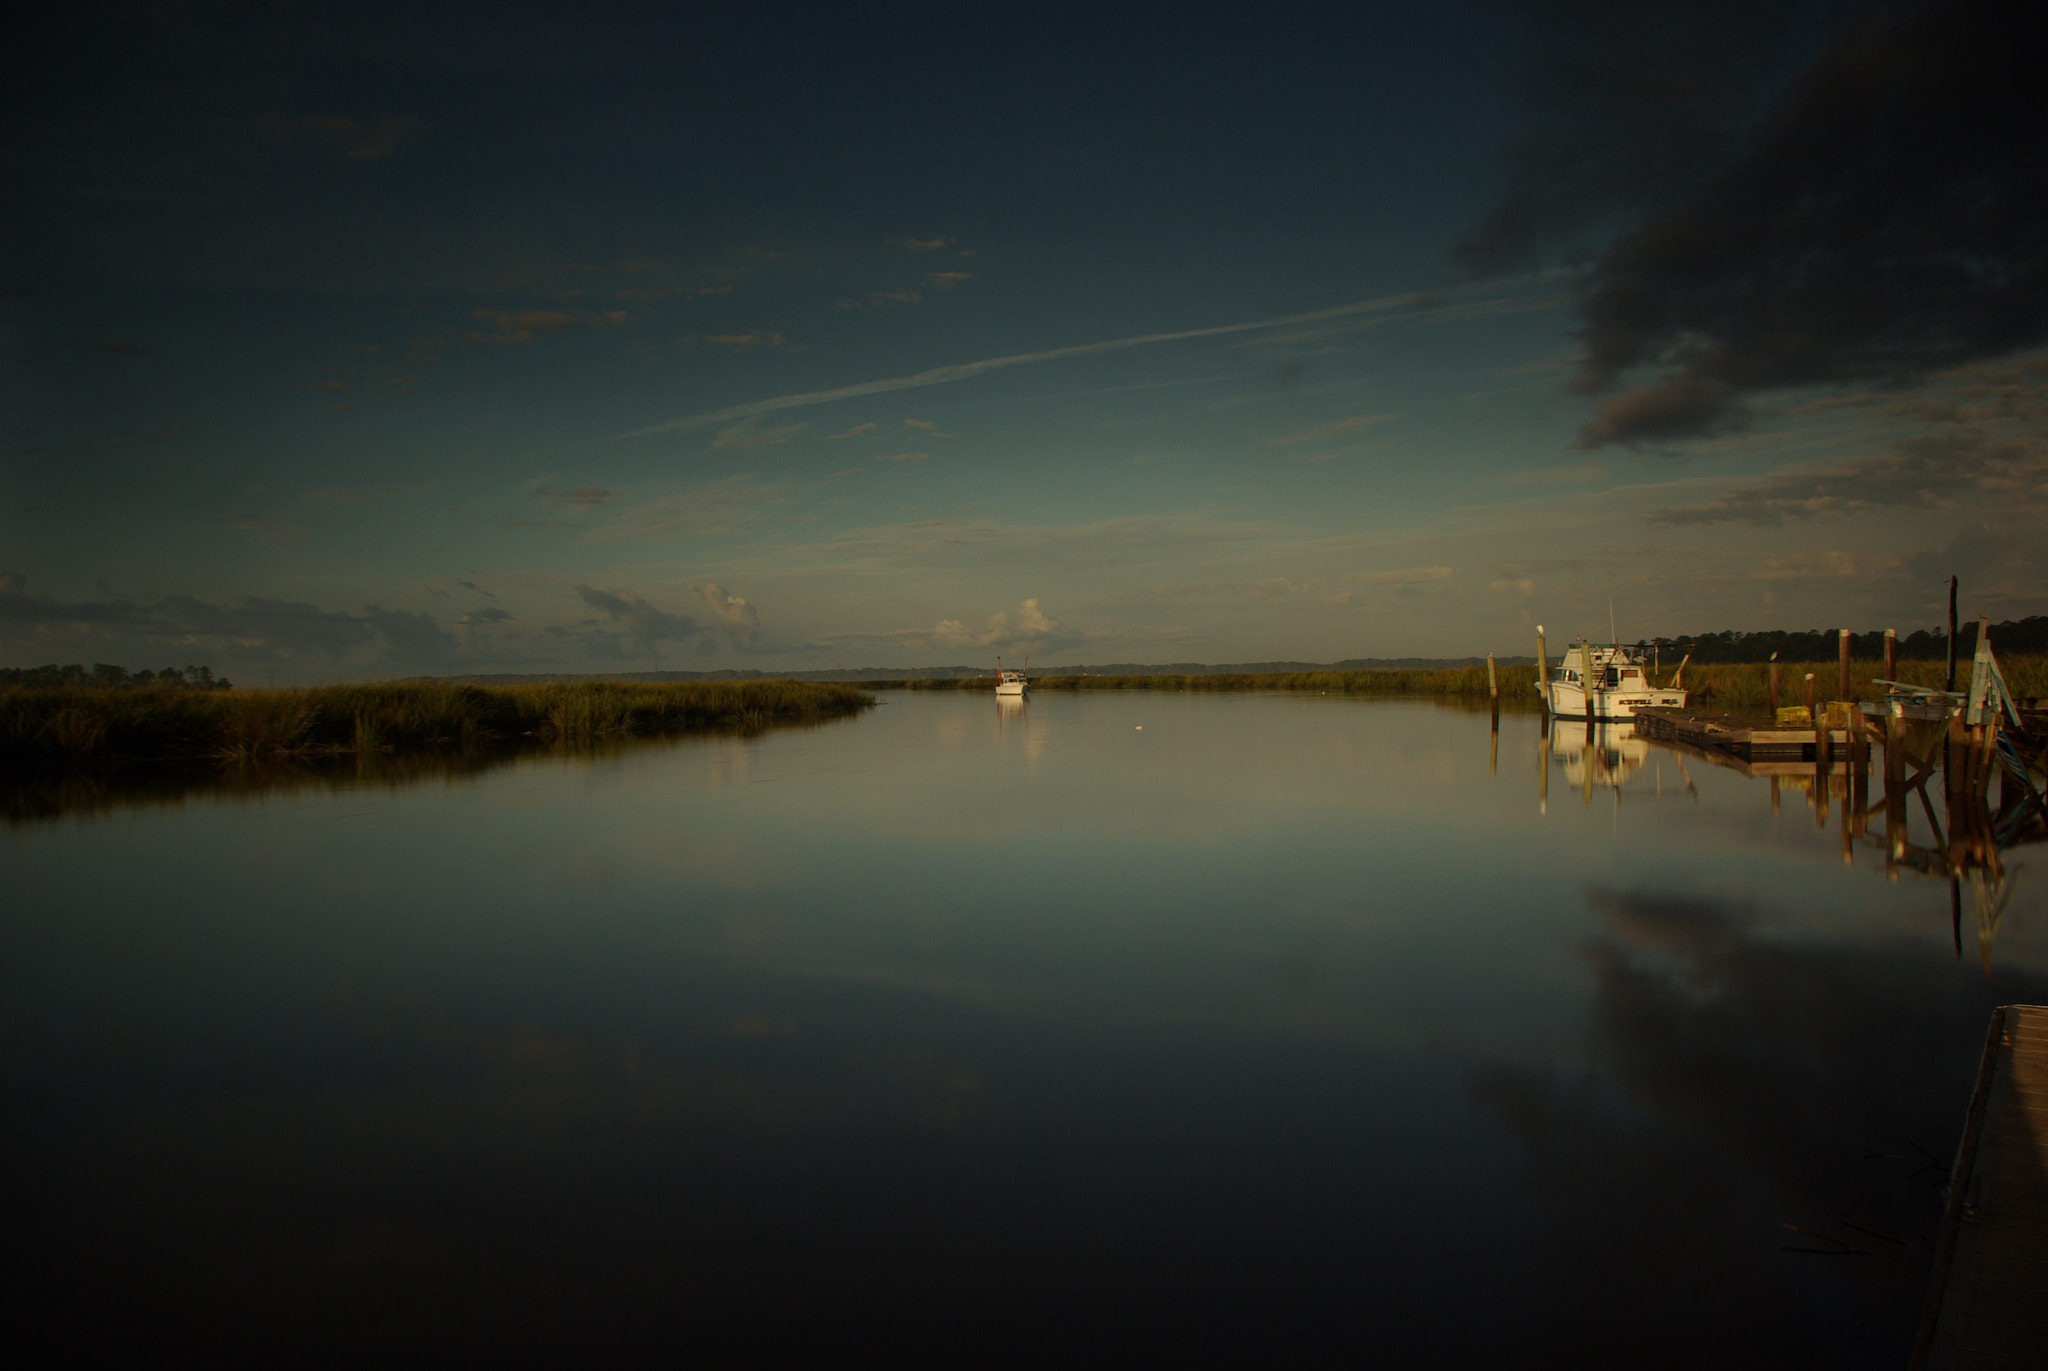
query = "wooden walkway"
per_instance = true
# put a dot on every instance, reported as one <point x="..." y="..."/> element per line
<point x="1987" y="1303"/>
<point x="1753" y="739"/>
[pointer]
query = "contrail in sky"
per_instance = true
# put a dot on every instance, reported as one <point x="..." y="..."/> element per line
<point x="1390" y="306"/>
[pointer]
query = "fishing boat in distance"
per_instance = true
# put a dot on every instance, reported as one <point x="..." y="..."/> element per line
<point x="1610" y="682"/>
<point x="1012" y="683"/>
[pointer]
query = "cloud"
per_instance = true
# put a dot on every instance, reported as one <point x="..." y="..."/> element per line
<point x="904" y="457"/>
<point x="646" y="627"/>
<point x="1384" y="309"/>
<point x="1337" y="428"/>
<point x="357" y="495"/>
<point x="583" y="497"/>
<point x="738" y="618"/>
<point x="880" y="298"/>
<point x="520" y="326"/>
<point x="922" y="244"/>
<point x="1032" y="626"/>
<point x="1524" y="589"/>
<point x="472" y="585"/>
<point x="947" y="280"/>
<point x="1661" y="411"/>
<point x="489" y="614"/>
<point x="1928" y="472"/>
<point x="254" y="628"/>
<point x="856" y="431"/>
<point x="748" y="435"/>
<point x="1878" y="221"/>
<point x="710" y="508"/>
<point x="740" y="342"/>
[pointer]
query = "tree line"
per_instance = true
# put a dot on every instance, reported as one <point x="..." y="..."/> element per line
<point x="104" y="676"/>
<point x="2013" y="637"/>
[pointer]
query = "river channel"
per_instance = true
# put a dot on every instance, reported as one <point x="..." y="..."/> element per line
<point x="1124" y="1024"/>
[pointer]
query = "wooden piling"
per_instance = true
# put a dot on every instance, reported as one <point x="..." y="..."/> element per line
<point x="1951" y="686"/>
<point x="1493" y="693"/>
<point x="1842" y="686"/>
<point x="1542" y="670"/>
<point x="1774" y="687"/>
<point x="1859" y="764"/>
<point x="1891" y="654"/>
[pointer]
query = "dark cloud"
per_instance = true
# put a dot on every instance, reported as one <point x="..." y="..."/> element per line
<point x="1928" y="472"/>
<point x="472" y="585"/>
<point x="1628" y="103"/>
<point x="489" y="614"/>
<point x="641" y="624"/>
<point x="1886" y="216"/>
<point x="254" y="629"/>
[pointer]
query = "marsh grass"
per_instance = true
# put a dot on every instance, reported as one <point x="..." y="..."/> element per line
<point x="1517" y="683"/>
<point x="70" y="727"/>
<point x="1746" y="688"/>
<point x="1734" y="688"/>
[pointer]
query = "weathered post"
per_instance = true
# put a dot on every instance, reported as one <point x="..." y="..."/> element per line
<point x="1894" y="792"/>
<point x="1891" y="654"/>
<point x="1586" y="681"/>
<point x="1951" y="686"/>
<point x="1842" y="688"/>
<point x="1820" y="736"/>
<point x="1774" y="688"/>
<point x="1859" y="767"/>
<point x="1542" y="670"/>
<point x="1493" y="698"/>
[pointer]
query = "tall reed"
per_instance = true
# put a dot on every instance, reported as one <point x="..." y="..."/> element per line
<point x="68" y="726"/>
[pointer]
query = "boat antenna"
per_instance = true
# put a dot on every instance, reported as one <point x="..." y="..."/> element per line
<point x="1612" y="635"/>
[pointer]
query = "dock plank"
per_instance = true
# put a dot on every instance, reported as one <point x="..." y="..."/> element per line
<point x="1987" y="1300"/>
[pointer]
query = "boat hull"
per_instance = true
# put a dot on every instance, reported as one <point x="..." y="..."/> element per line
<point x="1011" y="689"/>
<point x="1568" y="701"/>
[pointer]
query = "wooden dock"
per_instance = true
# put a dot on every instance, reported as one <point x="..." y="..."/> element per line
<point x="1987" y="1301"/>
<point x="1753" y="739"/>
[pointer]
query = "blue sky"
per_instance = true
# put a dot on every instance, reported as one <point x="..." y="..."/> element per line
<point x="382" y="340"/>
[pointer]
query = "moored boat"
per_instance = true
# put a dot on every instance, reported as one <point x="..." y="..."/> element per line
<point x="1610" y="682"/>
<point x="1012" y="682"/>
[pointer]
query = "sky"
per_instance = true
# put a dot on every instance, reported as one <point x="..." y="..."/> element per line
<point x="345" y="341"/>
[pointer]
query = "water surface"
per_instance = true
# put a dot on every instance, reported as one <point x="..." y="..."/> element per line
<point x="1327" y="1028"/>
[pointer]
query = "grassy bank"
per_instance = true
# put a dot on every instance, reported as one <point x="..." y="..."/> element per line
<point x="1746" y="688"/>
<point x="1736" y="688"/>
<point x="54" y="727"/>
<point x="1516" y="682"/>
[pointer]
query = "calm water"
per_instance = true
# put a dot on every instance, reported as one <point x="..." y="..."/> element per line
<point x="1170" y="1023"/>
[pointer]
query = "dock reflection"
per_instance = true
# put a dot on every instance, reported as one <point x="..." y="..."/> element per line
<point x="1944" y="810"/>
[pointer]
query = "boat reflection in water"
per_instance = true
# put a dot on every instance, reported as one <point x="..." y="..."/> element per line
<point x="1605" y="757"/>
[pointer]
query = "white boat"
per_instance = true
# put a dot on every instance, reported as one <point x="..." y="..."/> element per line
<point x="1012" y="683"/>
<point x="1612" y="682"/>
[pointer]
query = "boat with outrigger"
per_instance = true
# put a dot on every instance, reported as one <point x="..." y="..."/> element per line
<point x="1608" y="682"/>
<point x="1012" y="684"/>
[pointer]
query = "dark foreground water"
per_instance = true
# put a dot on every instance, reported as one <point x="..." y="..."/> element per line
<point x="1132" y="1024"/>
